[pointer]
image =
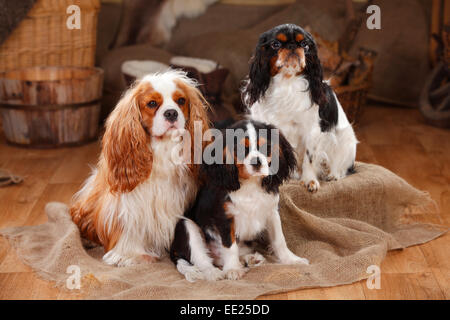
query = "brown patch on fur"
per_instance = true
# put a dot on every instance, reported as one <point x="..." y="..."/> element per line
<point x="228" y="157"/>
<point x="284" y="56"/>
<point x="197" y="112"/>
<point x="245" y="141"/>
<point x="274" y="69"/>
<point x="184" y="107"/>
<point x="261" y="141"/>
<point x="299" y="37"/>
<point x="242" y="170"/>
<point x="287" y="58"/>
<point x="125" y="151"/>
<point x="144" y="94"/>
<point x="87" y="215"/>
<point x="232" y="229"/>
<point x="282" y="37"/>
<point x="109" y="232"/>
<point x="230" y="217"/>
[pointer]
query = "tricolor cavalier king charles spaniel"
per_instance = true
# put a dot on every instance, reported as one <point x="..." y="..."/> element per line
<point x="237" y="204"/>
<point x="285" y="87"/>
<point x="136" y="194"/>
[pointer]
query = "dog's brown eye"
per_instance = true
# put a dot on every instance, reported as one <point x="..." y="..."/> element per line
<point x="304" y="45"/>
<point x="152" y="104"/>
<point x="181" y="101"/>
<point x="275" y="44"/>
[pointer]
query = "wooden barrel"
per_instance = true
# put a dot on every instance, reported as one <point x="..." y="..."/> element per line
<point x="46" y="107"/>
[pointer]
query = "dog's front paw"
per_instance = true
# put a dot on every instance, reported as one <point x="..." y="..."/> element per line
<point x="139" y="259"/>
<point x="213" y="274"/>
<point x="298" y="260"/>
<point x="330" y="178"/>
<point x="295" y="260"/>
<point x="253" y="259"/>
<point x="311" y="185"/>
<point x="290" y="258"/>
<point x="132" y="260"/>
<point x="296" y="175"/>
<point x="235" y="274"/>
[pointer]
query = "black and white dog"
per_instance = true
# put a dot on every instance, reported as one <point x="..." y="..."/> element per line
<point x="285" y="87"/>
<point x="238" y="203"/>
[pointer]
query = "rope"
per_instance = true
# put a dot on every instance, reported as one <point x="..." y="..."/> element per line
<point x="7" y="178"/>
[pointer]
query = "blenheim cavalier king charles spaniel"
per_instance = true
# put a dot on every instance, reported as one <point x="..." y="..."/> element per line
<point x="285" y="87"/>
<point x="136" y="194"/>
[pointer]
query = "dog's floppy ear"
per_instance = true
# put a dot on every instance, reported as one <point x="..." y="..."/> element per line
<point x="287" y="163"/>
<point x="197" y="118"/>
<point x="224" y="175"/>
<point x="258" y="77"/>
<point x="314" y="73"/>
<point x="125" y="145"/>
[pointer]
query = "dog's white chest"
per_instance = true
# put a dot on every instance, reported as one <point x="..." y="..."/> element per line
<point x="251" y="207"/>
<point x="152" y="209"/>
<point x="287" y="105"/>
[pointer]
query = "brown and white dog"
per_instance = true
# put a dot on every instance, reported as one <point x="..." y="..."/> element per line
<point x="134" y="197"/>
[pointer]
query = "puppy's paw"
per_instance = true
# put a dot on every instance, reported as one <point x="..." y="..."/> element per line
<point x="253" y="259"/>
<point x="291" y="258"/>
<point x="298" y="260"/>
<point x="142" y="259"/>
<point x="330" y="178"/>
<point x="295" y="175"/>
<point x="324" y="164"/>
<point x="213" y="274"/>
<point x="311" y="185"/>
<point x="194" y="275"/>
<point x="235" y="274"/>
<point x="126" y="261"/>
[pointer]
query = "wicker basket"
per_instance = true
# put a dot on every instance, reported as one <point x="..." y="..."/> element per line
<point x="353" y="99"/>
<point x="43" y="39"/>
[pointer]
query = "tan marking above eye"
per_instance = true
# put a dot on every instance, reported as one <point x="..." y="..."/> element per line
<point x="261" y="141"/>
<point x="282" y="37"/>
<point x="245" y="141"/>
<point x="299" y="37"/>
<point x="148" y="97"/>
<point x="179" y="98"/>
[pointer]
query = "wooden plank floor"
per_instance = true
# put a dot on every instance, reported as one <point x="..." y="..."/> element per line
<point x="395" y="138"/>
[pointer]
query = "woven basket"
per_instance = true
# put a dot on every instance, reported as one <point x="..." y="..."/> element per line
<point x="353" y="99"/>
<point x="43" y="39"/>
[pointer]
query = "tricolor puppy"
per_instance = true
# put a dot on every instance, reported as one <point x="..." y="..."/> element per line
<point x="136" y="194"/>
<point x="285" y="87"/>
<point x="238" y="203"/>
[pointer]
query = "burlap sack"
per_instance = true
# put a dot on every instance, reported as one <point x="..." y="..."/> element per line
<point x="343" y="229"/>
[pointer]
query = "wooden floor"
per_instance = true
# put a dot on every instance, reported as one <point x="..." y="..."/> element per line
<point x="395" y="138"/>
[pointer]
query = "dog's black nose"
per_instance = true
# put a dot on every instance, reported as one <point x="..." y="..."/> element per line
<point x="171" y="115"/>
<point x="256" y="162"/>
